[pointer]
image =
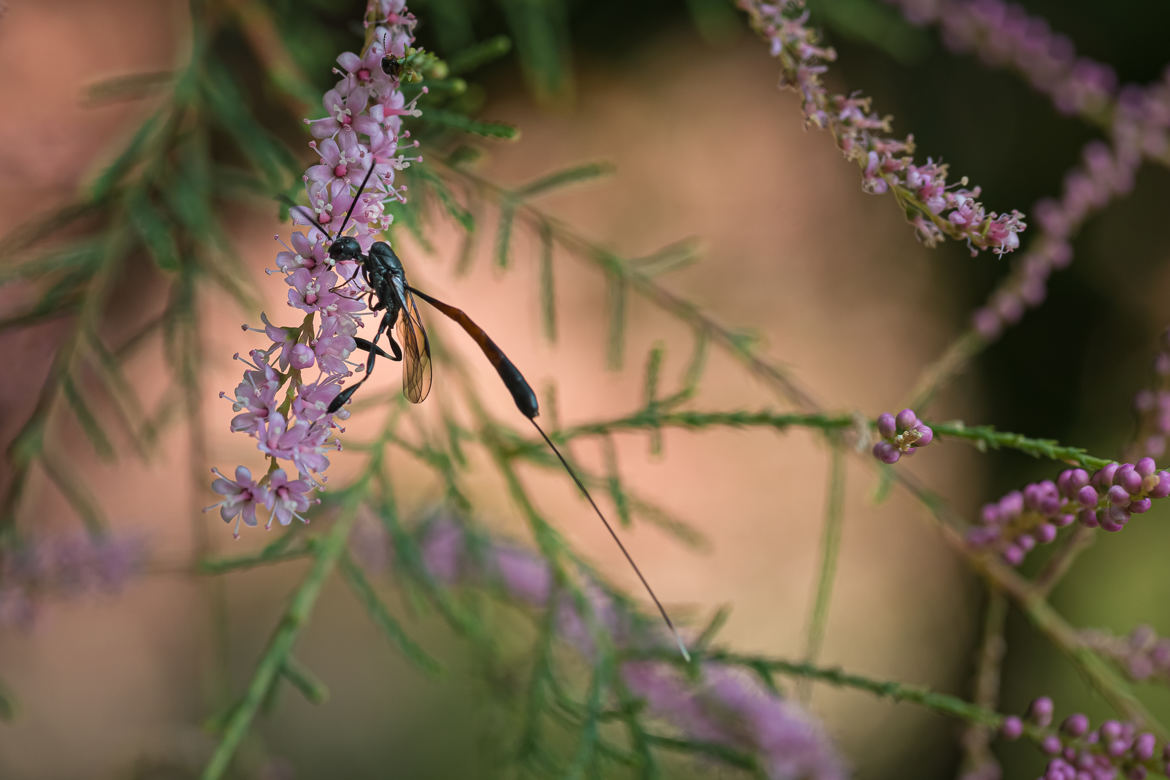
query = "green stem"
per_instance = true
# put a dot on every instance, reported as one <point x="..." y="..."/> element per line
<point x="976" y="738"/>
<point x="382" y="618"/>
<point x="280" y="644"/>
<point x="715" y="750"/>
<point x="986" y="437"/>
<point x="7" y="704"/>
<point x="223" y="565"/>
<point x="945" y="368"/>
<point x="983" y="437"/>
<point x="653" y="417"/>
<point x="830" y="550"/>
<point x="302" y="678"/>
<point x="942" y="703"/>
<point x="886" y="689"/>
<point x="1062" y="559"/>
<point x="837" y="677"/>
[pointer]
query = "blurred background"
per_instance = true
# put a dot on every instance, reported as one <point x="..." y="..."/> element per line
<point x="681" y="98"/>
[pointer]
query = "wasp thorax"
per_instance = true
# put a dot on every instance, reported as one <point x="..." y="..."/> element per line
<point x="384" y="257"/>
<point x="345" y="248"/>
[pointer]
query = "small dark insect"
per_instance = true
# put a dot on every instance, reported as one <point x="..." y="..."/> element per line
<point x="389" y="291"/>
<point x="392" y="66"/>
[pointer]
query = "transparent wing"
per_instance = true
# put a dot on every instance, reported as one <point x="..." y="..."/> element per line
<point x="416" y="352"/>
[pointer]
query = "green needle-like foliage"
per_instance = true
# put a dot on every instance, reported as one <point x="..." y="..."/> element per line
<point x="221" y="130"/>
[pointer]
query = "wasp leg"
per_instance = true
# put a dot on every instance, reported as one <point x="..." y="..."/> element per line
<point x="366" y="346"/>
<point x="397" y="350"/>
<point x="340" y="285"/>
<point x="374" y="350"/>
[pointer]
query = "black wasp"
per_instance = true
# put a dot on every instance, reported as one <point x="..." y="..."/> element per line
<point x="389" y="291"/>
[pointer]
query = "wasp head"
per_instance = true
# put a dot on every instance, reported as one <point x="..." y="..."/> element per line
<point x="345" y="248"/>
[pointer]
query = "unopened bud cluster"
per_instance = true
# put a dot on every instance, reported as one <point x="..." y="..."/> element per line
<point x="901" y="435"/>
<point x="1113" y="750"/>
<point x="1107" y="499"/>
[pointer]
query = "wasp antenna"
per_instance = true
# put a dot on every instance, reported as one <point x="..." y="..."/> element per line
<point x="352" y="206"/>
<point x="682" y="648"/>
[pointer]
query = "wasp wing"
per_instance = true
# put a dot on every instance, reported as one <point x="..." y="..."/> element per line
<point x="416" y="351"/>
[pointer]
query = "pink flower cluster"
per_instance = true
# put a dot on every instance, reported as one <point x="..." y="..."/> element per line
<point x="1113" y="749"/>
<point x="276" y="403"/>
<point x="63" y="565"/>
<point x="722" y="706"/>
<point x="1004" y="35"/>
<point x="1020" y="520"/>
<point x="938" y="209"/>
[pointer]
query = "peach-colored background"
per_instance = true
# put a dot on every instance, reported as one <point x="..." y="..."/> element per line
<point x="832" y="279"/>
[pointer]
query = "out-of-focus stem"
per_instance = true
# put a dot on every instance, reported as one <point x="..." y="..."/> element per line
<point x="280" y="645"/>
<point x="976" y="739"/>
<point x="948" y="365"/>
<point x="830" y="551"/>
<point x="1062" y="559"/>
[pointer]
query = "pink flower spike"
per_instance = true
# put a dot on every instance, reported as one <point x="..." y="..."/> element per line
<point x="934" y="207"/>
<point x="285" y="413"/>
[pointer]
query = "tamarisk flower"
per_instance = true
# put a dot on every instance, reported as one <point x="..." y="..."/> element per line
<point x="901" y="435"/>
<point x="727" y="707"/>
<point x="1141" y="127"/>
<point x="1112" y="750"/>
<point x="936" y="208"/>
<point x="1003" y="34"/>
<point x="278" y="403"/>
<point x="1143" y="654"/>
<point x="1153" y="407"/>
<point x="63" y="565"/>
<point x="722" y="706"/>
<point x="1107" y="499"/>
